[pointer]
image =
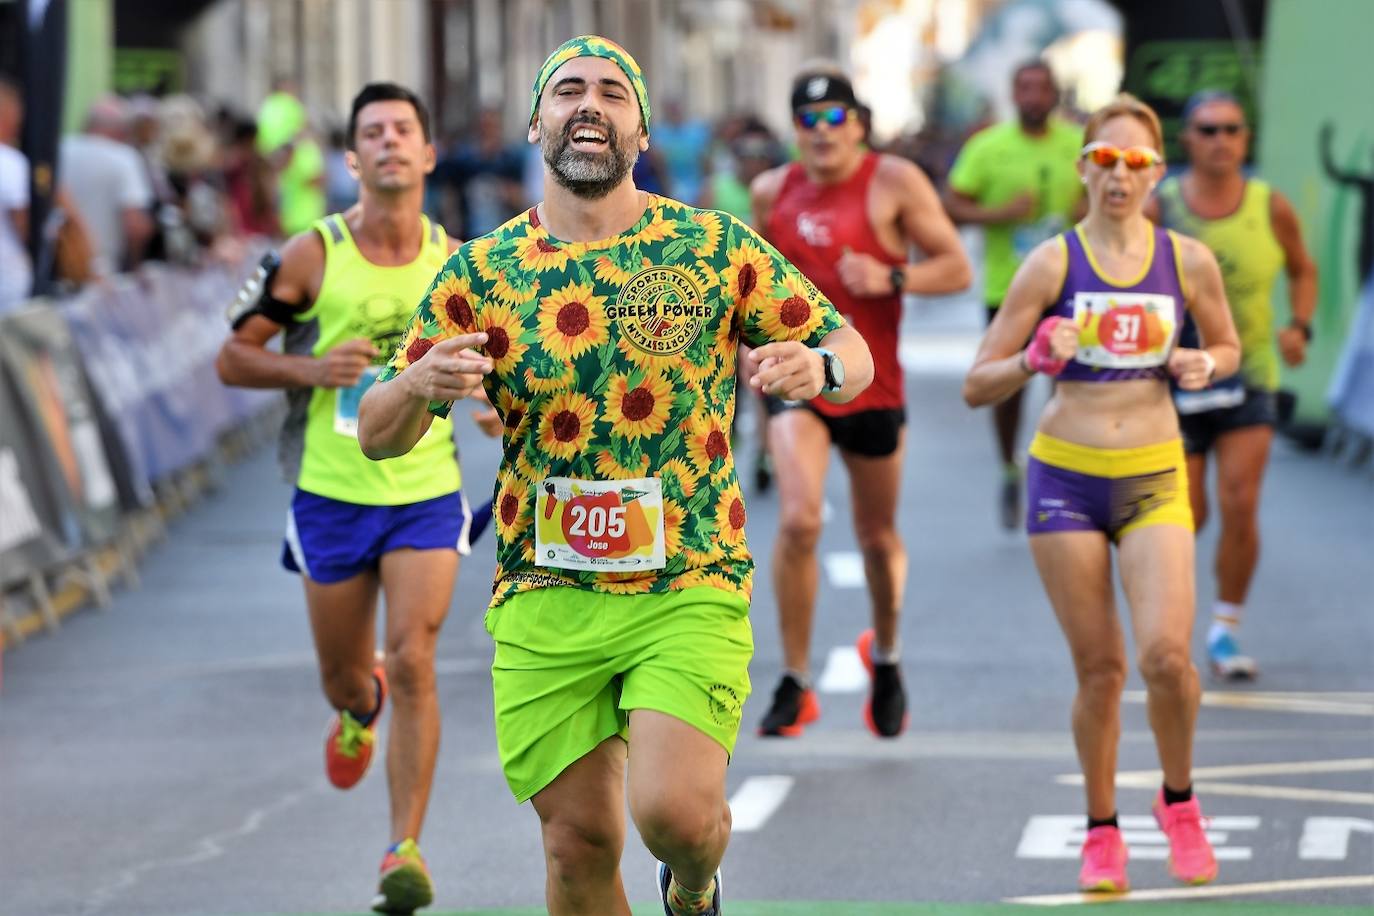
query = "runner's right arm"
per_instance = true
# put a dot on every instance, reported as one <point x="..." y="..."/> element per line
<point x="1000" y="368"/>
<point x="245" y="361"/>
<point x="395" y="414"/>
<point x="966" y="186"/>
<point x="964" y="209"/>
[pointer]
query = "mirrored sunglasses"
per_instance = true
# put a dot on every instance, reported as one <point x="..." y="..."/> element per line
<point x="1107" y="156"/>
<point x="833" y="116"/>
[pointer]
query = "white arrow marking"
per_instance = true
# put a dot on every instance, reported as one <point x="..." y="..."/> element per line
<point x="1061" y="837"/>
<point x="845" y="569"/>
<point x="755" y="801"/>
<point x="1328" y="838"/>
<point x="844" y="672"/>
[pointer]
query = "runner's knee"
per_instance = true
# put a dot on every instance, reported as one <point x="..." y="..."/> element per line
<point x="679" y="829"/>
<point x="1238" y="501"/>
<point x="410" y="666"/>
<point x="579" y="853"/>
<point x="1102" y="679"/>
<point x="800" y="528"/>
<point x="347" y="686"/>
<point x="1165" y="663"/>
<point x="879" y="542"/>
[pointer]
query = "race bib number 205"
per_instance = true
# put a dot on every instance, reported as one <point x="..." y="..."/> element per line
<point x="599" y="525"/>
<point x="1124" y="330"/>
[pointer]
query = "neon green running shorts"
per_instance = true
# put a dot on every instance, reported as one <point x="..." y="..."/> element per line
<point x="571" y="663"/>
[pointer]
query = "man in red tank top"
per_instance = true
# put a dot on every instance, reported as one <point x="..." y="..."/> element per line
<point x="847" y="217"/>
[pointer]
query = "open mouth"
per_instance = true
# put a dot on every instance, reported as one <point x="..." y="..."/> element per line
<point x="1117" y="196"/>
<point x="587" y="138"/>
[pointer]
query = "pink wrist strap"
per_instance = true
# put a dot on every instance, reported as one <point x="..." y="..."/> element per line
<point x="1038" y="353"/>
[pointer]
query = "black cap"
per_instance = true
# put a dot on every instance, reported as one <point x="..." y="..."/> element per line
<point x="810" y="88"/>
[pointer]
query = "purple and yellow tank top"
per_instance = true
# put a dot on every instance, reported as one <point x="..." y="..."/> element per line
<point x="1127" y="328"/>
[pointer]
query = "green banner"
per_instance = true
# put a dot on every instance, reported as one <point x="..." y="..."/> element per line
<point x="1320" y="153"/>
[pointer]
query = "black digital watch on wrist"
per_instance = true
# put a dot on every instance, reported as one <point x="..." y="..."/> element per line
<point x="898" y="278"/>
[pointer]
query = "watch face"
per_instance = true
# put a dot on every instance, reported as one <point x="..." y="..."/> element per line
<point x="835" y="369"/>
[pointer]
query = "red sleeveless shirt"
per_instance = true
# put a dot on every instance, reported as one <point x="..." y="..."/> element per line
<point x="812" y="224"/>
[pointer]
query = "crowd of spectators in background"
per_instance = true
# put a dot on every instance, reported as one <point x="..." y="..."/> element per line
<point x="163" y="178"/>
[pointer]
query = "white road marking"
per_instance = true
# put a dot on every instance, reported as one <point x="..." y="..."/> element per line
<point x="938" y="354"/>
<point x="204" y="849"/>
<point x="1211" y="890"/>
<point x="844" y="672"/>
<point x="1334" y="704"/>
<point x="1150" y="779"/>
<point x="1058" y="836"/>
<point x="845" y="569"/>
<point x="755" y="801"/>
<point x="1328" y="838"/>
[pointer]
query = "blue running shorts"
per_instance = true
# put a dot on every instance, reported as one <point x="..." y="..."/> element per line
<point x="329" y="540"/>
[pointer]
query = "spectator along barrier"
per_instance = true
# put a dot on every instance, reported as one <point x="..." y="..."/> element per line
<point x="111" y="421"/>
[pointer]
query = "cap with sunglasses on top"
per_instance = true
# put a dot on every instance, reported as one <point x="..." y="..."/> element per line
<point x="815" y="88"/>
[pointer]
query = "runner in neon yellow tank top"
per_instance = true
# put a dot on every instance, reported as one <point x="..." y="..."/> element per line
<point x="1254" y="233"/>
<point x="1017" y="181"/>
<point x="342" y="294"/>
<point x="606" y="322"/>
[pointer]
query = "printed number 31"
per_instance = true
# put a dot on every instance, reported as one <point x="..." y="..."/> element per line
<point x="1127" y="328"/>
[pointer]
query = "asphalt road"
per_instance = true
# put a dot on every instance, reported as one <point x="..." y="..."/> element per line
<point x="163" y="756"/>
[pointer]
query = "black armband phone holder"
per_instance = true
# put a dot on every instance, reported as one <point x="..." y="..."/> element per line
<point x="255" y="296"/>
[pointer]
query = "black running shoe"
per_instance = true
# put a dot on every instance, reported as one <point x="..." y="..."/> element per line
<point x="887" y="708"/>
<point x="885" y="711"/>
<point x="763" y="472"/>
<point x="665" y="878"/>
<point x="1009" y="504"/>
<point x="794" y="706"/>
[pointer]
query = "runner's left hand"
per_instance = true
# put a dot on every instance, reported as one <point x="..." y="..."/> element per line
<point x="1293" y="347"/>
<point x="786" y="369"/>
<point x="1192" y="368"/>
<point x="864" y="275"/>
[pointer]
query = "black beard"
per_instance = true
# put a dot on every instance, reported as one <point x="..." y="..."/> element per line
<point x="588" y="175"/>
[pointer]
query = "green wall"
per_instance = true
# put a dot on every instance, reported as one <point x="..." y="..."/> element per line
<point x="1318" y="69"/>
<point x="90" y="57"/>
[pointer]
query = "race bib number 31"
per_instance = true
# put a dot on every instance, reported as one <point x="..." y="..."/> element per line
<point x="1124" y="330"/>
<point x="599" y="525"/>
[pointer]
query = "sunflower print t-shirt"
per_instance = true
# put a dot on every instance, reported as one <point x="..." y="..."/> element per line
<point x="616" y="359"/>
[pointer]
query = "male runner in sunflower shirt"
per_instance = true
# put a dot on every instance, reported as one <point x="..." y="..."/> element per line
<point x="606" y="322"/>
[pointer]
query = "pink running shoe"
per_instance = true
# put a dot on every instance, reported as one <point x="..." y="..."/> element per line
<point x="1104" y="862"/>
<point x="1190" y="853"/>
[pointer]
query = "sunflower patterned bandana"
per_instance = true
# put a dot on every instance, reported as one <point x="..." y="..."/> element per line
<point x="593" y="46"/>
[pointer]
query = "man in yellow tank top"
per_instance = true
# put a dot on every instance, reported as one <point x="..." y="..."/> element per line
<point x="342" y="291"/>
<point x="1254" y="233"/>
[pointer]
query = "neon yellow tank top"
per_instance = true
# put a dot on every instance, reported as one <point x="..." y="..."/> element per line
<point x="1250" y="257"/>
<point x="320" y="442"/>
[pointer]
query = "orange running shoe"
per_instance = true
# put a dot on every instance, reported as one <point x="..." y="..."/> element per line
<point x="405" y="885"/>
<point x="348" y="743"/>
<point x="794" y="707"/>
<point x="1104" y="862"/>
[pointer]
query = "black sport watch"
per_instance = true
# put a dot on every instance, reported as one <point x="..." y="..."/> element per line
<point x="834" y="370"/>
<point x="1302" y="327"/>
<point x="898" y="278"/>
